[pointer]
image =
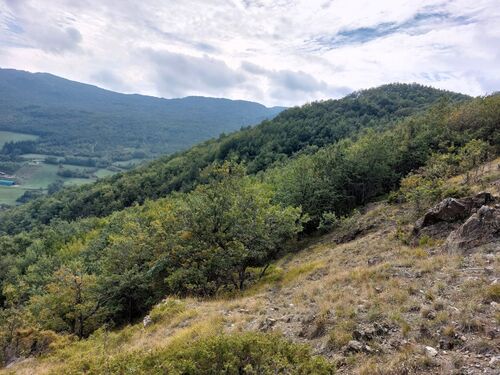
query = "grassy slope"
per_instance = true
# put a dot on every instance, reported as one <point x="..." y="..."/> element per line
<point x="9" y="194"/>
<point x="323" y="293"/>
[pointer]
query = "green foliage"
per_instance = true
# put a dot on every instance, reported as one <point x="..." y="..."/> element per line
<point x="300" y="130"/>
<point x="428" y="185"/>
<point x="247" y="353"/>
<point x="76" y="276"/>
<point x="227" y="226"/>
<point x="19" y="147"/>
<point x="477" y="119"/>
<point x="328" y="221"/>
<point x="29" y="195"/>
<point x="85" y="121"/>
<point x="422" y="192"/>
<point x="472" y="155"/>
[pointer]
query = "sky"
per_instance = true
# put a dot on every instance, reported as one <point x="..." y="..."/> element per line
<point x="277" y="52"/>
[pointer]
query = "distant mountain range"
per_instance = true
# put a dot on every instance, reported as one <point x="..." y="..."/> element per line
<point x="78" y="119"/>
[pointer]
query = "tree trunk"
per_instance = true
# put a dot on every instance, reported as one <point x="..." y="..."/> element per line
<point x="242" y="275"/>
<point x="263" y="271"/>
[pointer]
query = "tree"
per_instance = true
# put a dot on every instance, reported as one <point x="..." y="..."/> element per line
<point x="70" y="302"/>
<point x="472" y="156"/>
<point x="227" y="226"/>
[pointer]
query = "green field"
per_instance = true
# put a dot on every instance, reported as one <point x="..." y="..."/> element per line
<point x="15" y="137"/>
<point x="35" y="156"/>
<point x="9" y="194"/>
<point x="40" y="176"/>
<point x="126" y="163"/>
<point x="35" y="174"/>
<point x="101" y="173"/>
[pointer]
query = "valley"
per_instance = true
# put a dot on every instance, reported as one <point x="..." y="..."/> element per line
<point x="51" y="127"/>
<point x="249" y="187"/>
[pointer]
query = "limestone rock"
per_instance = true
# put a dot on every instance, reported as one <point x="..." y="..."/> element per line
<point x="147" y="321"/>
<point x="449" y="210"/>
<point x="452" y="210"/>
<point x="430" y="351"/>
<point x="354" y="346"/>
<point x="482" y="228"/>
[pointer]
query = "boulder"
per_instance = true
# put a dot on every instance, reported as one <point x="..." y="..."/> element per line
<point x="482" y="228"/>
<point x="450" y="212"/>
<point x="477" y="201"/>
<point x="355" y="346"/>
<point x="147" y="321"/>
<point x="430" y="351"/>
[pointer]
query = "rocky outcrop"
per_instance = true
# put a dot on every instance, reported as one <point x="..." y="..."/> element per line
<point x="448" y="210"/>
<point x="481" y="229"/>
<point x="449" y="214"/>
<point x="451" y="210"/>
<point x="147" y="321"/>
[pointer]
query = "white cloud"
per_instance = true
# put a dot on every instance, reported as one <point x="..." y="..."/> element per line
<point x="274" y="51"/>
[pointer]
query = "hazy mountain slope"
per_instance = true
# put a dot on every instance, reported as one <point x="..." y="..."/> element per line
<point x="301" y="129"/>
<point x="80" y="119"/>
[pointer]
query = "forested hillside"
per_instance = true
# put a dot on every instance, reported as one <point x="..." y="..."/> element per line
<point x="75" y="119"/>
<point x="73" y="278"/>
<point x="301" y="130"/>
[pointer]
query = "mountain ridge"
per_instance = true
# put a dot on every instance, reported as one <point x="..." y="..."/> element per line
<point x="85" y="120"/>
<point x="298" y="129"/>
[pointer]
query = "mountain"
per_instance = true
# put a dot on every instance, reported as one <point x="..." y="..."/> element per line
<point x="376" y="253"/>
<point x="296" y="130"/>
<point x="76" y="119"/>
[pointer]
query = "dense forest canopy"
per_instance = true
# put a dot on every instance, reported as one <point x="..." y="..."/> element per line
<point x="296" y="130"/>
<point x="75" y="119"/>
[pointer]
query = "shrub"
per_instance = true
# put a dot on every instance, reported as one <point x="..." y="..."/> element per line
<point x="248" y="353"/>
<point x="167" y="310"/>
<point x="328" y="222"/>
<point x="492" y="293"/>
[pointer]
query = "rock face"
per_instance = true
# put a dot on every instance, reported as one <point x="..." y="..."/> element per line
<point x="451" y="210"/>
<point x="482" y="228"/>
<point x="465" y="223"/>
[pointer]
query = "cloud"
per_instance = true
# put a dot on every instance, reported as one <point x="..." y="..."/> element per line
<point x="109" y="79"/>
<point x="278" y="52"/>
<point x="419" y="23"/>
<point x="28" y="27"/>
<point x="253" y="68"/>
<point x="297" y="81"/>
<point x="55" y="40"/>
<point x="179" y="74"/>
<point x="286" y="84"/>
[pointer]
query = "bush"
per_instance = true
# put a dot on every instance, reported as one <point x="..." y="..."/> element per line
<point x="167" y="310"/>
<point x="247" y="353"/>
<point x="328" y="222"/>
